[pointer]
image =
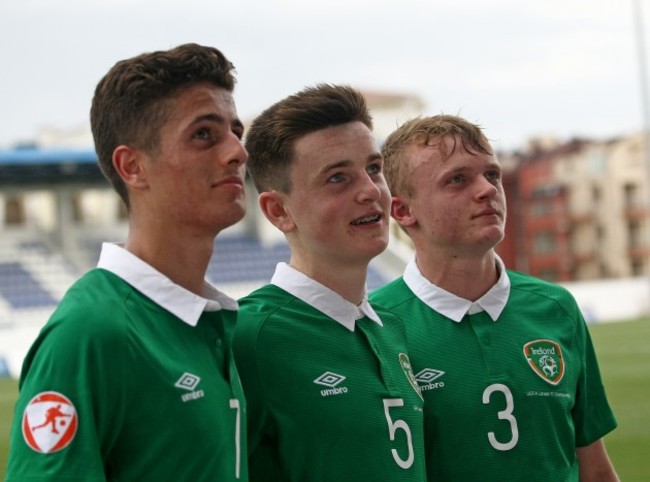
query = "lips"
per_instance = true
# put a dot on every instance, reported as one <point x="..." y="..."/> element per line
<point x="229" y="181"/>
<point x="369" y="219"/>
<point x="487" y="212"/>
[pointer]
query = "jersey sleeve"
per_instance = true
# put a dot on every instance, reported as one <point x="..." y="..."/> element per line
<point x="593" y="416"/>
<point x="71" y="392"/>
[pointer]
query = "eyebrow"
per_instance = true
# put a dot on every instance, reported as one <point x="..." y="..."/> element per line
<point x="335" y="165"/>
<point x="491" y="166"/>
<point x="346" y="162"/>
<point x="212" y="117"/>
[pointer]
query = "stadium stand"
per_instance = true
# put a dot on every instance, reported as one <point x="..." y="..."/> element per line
<point x="244" y="259"/>
<point x="32" y="166"/>
<point x="20" y="289"/>
<point x="38" y="264"/>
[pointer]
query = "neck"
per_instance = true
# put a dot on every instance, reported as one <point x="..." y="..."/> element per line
<point x="184" y="260"/>
<point x="468" y="277"/>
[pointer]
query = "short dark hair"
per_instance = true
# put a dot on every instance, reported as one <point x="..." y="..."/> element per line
<point x="272" y="136"/>
<point x="129" y="106"/>
<point x="428" y="131"/>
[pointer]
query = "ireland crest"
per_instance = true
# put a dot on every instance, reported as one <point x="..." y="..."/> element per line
<point x="546" y="360"/>
<point x="405" y="363"/>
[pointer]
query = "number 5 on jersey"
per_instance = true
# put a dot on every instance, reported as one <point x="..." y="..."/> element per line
<point x="393" y="427"/>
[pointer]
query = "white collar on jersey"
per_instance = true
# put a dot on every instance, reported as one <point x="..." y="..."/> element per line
<point x="152" y="283"/>
<point x="321" y="297"/>
<point x="454" y="307"/>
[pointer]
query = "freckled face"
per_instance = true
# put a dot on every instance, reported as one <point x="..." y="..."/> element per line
<point x="196" y="174"/>
<point x="459" y="202"/>
<point x="339" y="201"/>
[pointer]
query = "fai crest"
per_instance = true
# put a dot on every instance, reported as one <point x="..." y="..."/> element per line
<point x="49" y="422"/>
<point x="405" y="363"/>
<point x="546" y="359"/>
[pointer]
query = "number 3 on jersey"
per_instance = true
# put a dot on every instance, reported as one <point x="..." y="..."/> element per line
<point x="393" y="427"/>
<point x="505" y="414"/>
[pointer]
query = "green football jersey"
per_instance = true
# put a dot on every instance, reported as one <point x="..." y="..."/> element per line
<point x="326" y="403"/>
<point x="508" y="399"/>
<point x="117" y="388"/>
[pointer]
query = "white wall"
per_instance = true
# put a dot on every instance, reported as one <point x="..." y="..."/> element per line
<point x="612" y="300"/>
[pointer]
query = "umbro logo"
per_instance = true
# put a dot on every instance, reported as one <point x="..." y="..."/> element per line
<point x="331" y="380"/>
<point x="189" y="381"/>
<point x="427" y="379"/>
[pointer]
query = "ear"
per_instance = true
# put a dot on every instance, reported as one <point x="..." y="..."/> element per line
<point x="402" y="213"/>
<point x="128" y="162"/>
<point x="272" y="204"/>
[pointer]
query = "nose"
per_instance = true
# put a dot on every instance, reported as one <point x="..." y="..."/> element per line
<point x="486" y="189"/>
<point x="369" y="190"/>
<point x="236" y="153"/>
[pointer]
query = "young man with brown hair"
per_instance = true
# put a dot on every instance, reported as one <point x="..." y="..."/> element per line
<point x="137" y="357"/>
<point x="327" y="378"/>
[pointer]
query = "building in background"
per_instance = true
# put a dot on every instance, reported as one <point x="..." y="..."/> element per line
<point x="579" y="210"/>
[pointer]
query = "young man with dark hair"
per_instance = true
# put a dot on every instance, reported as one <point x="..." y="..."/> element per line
<point x="328" y="382"/>
<point x="133" y="377"/>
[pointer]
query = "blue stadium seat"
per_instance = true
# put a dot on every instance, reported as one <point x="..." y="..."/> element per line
<point x="20" y="289"/>
<point x="243" y="259"/>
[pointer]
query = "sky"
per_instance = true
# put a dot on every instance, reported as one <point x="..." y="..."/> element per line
<point x="519" y="68"/>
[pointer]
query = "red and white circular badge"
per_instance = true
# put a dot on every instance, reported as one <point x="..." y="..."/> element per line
<point x="49" y="422"/>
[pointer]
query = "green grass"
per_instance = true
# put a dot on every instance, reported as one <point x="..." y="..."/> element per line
<point x="623" y="351"/>
<point x="8" y="394"/>
<point x="624" y="356"/>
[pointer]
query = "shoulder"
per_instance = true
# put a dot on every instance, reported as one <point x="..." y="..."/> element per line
<point x="392" y="294"/>
<point x="386" y="314"/>
<point x="98" y="293"/>
<point x="263" y="303"/>
<point x="95" y="297"/>
<point x="91" y="313"/>
<point x="263" y="299"/>
<point x="87" y="331"/>
<point x="391" y="320"/>
<point x="266" y="306"/>
<point x="534" y="291"/>
<point x="530" y="284"/>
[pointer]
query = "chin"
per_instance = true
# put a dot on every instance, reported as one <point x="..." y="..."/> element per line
<point x="373" y="249"/>
<point x="231" y="217"/>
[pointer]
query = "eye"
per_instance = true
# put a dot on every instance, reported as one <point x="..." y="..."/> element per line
<point x="374" y="169"/>
<point x="202" y="133"/>
<point x="457" y="179"/>
<point x="336" y="178"/>
<point x="239" y="132"/>
<point x="493" y="176"/>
